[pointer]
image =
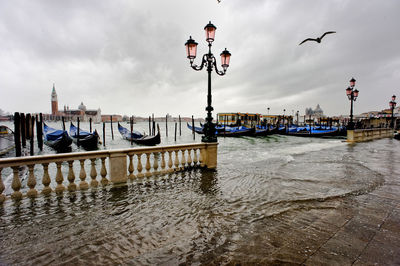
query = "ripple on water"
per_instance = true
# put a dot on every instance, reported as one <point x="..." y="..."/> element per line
<point x="195" y="216"/>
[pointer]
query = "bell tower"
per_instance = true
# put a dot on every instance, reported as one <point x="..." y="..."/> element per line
<point x="54" y="101"/>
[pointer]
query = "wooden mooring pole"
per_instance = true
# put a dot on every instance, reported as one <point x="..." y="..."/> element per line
<point x="175" y="131"/>
<point x="194" y="134"/>
<point x="131" y="122"/>
<point x="112" y="132"/>
<point x="63" y="122"/>
<point x="150" y="126"/>
<point x="180" y="128"/>
<point x="104" y="134"/>
<point x="40" y="137"/>
<point x="77" y="138"/>
<point x="166" y="125"/>
<point x="32" y="129"/>
<point x="154" y="125"/>
<point x="23" y="130"/>
<point x="90" y="125"/>
<point x="28" y="122"/>
<point x="17" y="134"/>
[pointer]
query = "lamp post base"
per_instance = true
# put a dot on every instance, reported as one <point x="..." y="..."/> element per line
<point x="209" y="139"/>
<point x="209" y="133"/>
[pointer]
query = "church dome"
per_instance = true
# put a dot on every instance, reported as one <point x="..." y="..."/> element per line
<point x="82" y="107"/>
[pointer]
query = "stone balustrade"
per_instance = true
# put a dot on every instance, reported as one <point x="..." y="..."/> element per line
<point x="359" y="135"/>
<point x="123" y="165"/>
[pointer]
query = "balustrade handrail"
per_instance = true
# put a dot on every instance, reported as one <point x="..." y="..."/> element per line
<point x="50" y="158"/>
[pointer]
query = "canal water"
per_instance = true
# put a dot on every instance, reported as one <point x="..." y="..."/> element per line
<point x="199" y="216"/>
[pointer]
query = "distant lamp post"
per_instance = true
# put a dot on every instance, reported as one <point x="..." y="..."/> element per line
<point x="352" y="94"/>
<point x="297" y="114"/>
<point x="210" y="62"/>
<point x="392" y="105"/>
<point x="268" y="110"/>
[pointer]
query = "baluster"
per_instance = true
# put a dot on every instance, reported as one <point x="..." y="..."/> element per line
<point x="202" y="151"/>
<point x="16" y="185"/>
<point x="59" y="179"/>
<point x="176" y="161"/>
<point x="148" y="173"/>
<point x="163" y="162"/>
<point x="83" y="185"/>
<point x="32" y="192"/>
<point x="2" y="187"/>
<point x="170" y="169"/>
<point x="131" y="168"/>
<point x="195" y="160"/>
<point x="71" y="177"/>
<point x="46" y="179"/>
<point x="189" y="160"/>
<point x="183" y="161"/>
<point x="155" y="164"/>
<point x="103" y="172"/>
<point x="139" y="166"/>
<point x="93" y="173"/>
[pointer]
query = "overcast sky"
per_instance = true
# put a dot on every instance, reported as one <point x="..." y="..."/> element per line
<point x="128" y="56"/>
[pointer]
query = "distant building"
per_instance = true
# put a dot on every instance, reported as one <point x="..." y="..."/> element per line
<point x="54" y="101"/>
<point x="316" y="113"/>
<point x="82" y="113"/>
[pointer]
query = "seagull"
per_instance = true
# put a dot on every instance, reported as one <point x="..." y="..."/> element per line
<point x="318" y="40"/>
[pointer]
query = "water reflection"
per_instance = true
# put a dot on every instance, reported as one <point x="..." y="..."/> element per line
<point x="208" y="181"/>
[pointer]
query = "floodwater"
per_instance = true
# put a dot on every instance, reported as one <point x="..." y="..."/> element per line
<point x="199" y="216"/>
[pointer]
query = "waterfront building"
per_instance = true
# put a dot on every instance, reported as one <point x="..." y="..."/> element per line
<point x="246" y="119"/>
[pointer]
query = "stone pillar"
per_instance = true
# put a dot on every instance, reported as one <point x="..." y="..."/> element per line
<point x="211" y="155"/>
<point x="118" y="168"/>
<point x="350" y="135"/>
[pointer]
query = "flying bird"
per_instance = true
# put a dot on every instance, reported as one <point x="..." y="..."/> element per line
<point x="318" y="40"/>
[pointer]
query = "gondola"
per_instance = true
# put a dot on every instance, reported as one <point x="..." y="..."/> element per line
<point x="57" y="139"/>
<point x="198" y="130"/>
<point x="6" y="139"/>
<point x="237" y="132"/>
<point x="139" y="138"/>
<point x="88" y="140"/>
<point x="396" y="135"/>
<point x="227" y="131"/>
<point x="314" y="132"/>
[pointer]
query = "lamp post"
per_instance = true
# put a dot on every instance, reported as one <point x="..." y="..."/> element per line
<point x="268" y="110"/>
<point x="392" y="105"/>
<point x="297" y="114"/>
<point x="352" y="94"/>
<point x="210" y="62"/>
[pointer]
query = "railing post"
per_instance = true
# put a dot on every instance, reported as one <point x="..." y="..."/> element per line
<point x="16" y="184"/>
<point x="118" y="168"/>
<point x="211" y="155"/>
<point x="32" y="192"/>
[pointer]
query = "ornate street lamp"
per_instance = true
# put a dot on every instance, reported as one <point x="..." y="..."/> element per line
<point x="392" y="105"/>
<point x="210" y="62"/>
<point x="268" y="110"/>
<point x="352" y="94"/>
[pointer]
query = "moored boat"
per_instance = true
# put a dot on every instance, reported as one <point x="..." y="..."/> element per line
<point x="57" y="139"/>
<point x="88" y="140"/>
<point x="198" y="130"/>
<point x="313" y="132"/>
<point x="6" y="139"/>
<point x="139" y="138"/>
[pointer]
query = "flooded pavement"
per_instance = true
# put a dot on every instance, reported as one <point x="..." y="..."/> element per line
<point x="272" y="200"/>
